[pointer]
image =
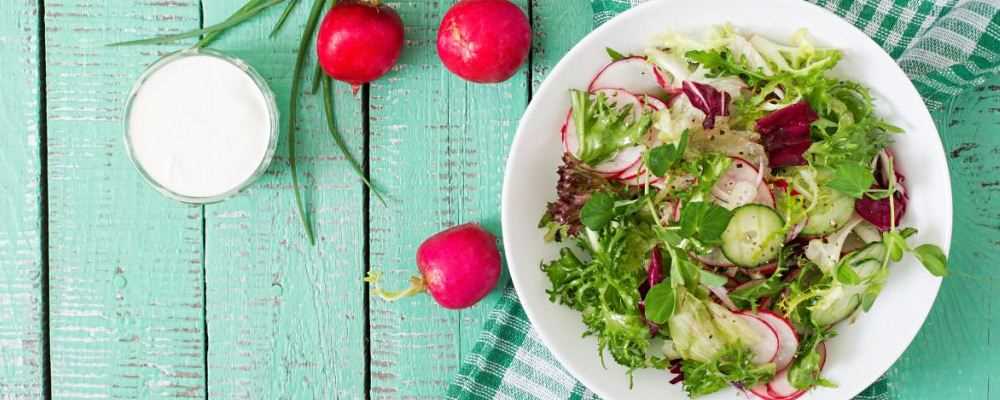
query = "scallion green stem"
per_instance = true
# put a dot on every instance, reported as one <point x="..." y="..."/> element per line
<point x="236" y="19"/>
<point x="284" y="16"/>
<point x="210" y="37"/>
<point x="300" y="58"/>
<point x="332" y="127"/>
<point x="317" y="78"/>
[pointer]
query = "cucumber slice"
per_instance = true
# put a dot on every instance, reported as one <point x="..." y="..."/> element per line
<point x="835" y="304"/>
<point x="840" y="301"/>
<point x="867" y="260"/>
<point x="831" y="213"/>
<point x="754" y="235"/>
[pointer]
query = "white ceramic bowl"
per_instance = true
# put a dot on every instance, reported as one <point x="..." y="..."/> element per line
<point x="862" y="351"/>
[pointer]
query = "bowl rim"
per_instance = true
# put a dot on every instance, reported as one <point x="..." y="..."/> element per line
<point x="534" y="106"/>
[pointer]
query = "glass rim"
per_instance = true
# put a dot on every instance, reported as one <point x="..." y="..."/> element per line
<point x="265" y="91"/>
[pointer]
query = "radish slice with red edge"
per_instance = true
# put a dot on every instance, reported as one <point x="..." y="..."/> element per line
<point x="781" y="389"/>
<point x="632" y="74"/>
<point x="570" y="141"/>
<point x="625" y="159"/>
<point x="767" y="347"/>
<point x="788" y="340"/>
<point x="740" y="185"/>
<point x="761" y="391"/>
<point x="632" y="171"/>
<point x="654" y="103"/>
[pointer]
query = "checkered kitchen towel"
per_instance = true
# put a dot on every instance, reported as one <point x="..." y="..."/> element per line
<point x="945" y="47"/>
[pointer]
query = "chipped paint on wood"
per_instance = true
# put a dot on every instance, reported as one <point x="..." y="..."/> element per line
<point x="955" y="355"/>
<point x="22" y="349"/>
<point x="125" y="269"/>
<point x="438" y="145"/>
<point x="285" y="319"/>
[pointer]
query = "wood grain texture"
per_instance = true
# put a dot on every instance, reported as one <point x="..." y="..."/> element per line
<point x="126" y="291"/>
<point x="22" y="351"/>
<point x="285" y="319"/>
<point x="956" y="354"/>
<point x="558" y="26"/>
<point x="438" y="145"/>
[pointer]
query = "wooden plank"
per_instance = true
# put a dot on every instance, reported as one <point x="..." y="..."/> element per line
<point x="438" y="146"/>
<point x="956" y="354"/>
<point x="126" y="294"/>
<point x="285" y="319"/>
<point x="22" y="348"/>
<point x="558" y="26"/>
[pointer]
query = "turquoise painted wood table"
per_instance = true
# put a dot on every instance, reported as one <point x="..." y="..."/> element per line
<point x="109" y="290"/>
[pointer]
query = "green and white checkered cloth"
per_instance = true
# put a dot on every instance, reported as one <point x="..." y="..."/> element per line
<point x="945" y="47"/>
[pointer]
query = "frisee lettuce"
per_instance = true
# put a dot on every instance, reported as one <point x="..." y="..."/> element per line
<point x="604" y="128"/>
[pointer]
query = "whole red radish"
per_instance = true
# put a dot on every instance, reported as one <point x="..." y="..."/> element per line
<point x="484" y="41"/>
<point x="359" y="41"/>
<point x="458" y="267"/>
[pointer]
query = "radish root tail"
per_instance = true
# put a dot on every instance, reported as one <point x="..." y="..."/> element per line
<point x="417" y="286"/>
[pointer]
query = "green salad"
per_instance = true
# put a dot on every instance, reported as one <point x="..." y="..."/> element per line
<point x="728" y="201"/>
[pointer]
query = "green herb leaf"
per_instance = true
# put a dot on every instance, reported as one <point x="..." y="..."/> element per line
<point x="663" y="157"/>
<point x="711" y="279"/>
<point x="293" y="102"/>
<point x="616" y="267"/>
<point x="852" y="179"/>
<point x="598" y="211"/>
<point x="895" y="245"/>
<point x="933" y="258"/>
<point x="660" y="303"/>
<point x="734" y="365"/>
<point x="845" y="273"/>
<point x="241" y="15"/>
<point x="614" y="55"/>
<point x="705" y="222"/>
<point x="708" y="168"/>
<point x="284" y="17"/>
<point x="869" y="296"/>
<point x="605" y="128"/>
<point x="804" y="373"/>
<point x="721" y="62"/>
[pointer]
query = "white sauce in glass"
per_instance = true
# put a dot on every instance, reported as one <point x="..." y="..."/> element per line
<point x="199" y="126"/>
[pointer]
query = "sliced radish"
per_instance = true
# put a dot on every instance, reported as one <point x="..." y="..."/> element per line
<point x="722" y="295"/>
<point x="741" y="185"/>
<point x="571" y="142"/>
<point x="781" y="389"/>
<point x="622" y="98"/>
<point x="625" y="159"/>
<point x="654" y="103"/>
<point x="767" y="347"/>
<point x="764" y="195"/>
<point x="761" y="391"/>
<point x="788" y="340"/>
<point x="632" y="74"/>
<point x="632" y="171"/>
